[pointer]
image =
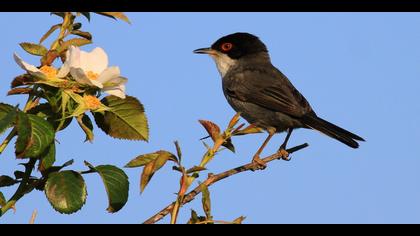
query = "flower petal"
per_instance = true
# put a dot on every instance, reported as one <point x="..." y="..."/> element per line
<point x="26" y="66"/>
<point x="72" y="60"/>
<point x="118" y="91"/>
<point x="79" y="75"/>
<point x="95" y="61"/>
<point x="31" y="69"/>
<point x="109" y="74"/>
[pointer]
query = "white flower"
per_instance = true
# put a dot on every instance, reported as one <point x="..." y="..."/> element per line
<point x="45" y="72"/>
<point x="91" y="68"/>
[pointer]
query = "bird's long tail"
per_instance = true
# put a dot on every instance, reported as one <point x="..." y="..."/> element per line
<point x="332" y="130"/>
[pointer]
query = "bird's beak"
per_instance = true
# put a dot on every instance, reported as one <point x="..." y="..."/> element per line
<point x="204" y="51"/>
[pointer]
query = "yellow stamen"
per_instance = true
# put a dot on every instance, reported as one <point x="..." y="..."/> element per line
<point x="92" y="75"/>
<point x="92" y="102"/>
<point x="49" y="71"/>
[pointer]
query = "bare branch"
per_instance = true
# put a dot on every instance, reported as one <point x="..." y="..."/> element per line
<point x="216" y="178"/>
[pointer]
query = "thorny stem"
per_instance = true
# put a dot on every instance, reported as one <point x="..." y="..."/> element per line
<point x="22" y="189"/>
<point x="215" y="178"/>
<point x="208" y="156"/>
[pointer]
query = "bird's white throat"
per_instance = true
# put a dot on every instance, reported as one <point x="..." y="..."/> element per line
<point x="223" y="63"/>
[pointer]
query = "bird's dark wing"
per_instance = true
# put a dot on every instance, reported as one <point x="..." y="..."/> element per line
<point x="268" y="88"/>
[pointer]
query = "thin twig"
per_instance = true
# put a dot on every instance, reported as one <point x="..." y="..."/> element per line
<point x="215" y="178"/>
<point x="33" y="217"/>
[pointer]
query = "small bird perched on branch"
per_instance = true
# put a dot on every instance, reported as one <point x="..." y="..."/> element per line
<point x="263" y="95"/>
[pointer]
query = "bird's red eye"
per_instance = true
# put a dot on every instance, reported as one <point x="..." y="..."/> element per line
<point x="226" y="47"/>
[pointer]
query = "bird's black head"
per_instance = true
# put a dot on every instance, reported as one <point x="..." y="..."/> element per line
<point x="239" y="44"/>
<point x="236" y="45"/>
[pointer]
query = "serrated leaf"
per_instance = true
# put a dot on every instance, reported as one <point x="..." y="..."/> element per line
<point x="151" y="167"/>
<point x="115" y="15"/>
<point x="7" y="120"/>
<point x="212" y="129"/>
<point x="47" y="159"/>
<point x="34" y="136"/>
<point x="66" y="191"/>
<point x="5" y="109"/>
<point x="195" y="169"/>
<point x="44" y="110"/>
<point x="7" y="181"/>
<point x="86" y="124"/>
<point x="82" y="34"/>
<point x="49" y="32"/>
<point x="125" y="119"/>
<point x="2" y="200"/>
<point x="78" y="42"/>
<point x="116" y="185"/>
<point x="205" y="200"/>
<point x="142" y="160"/>
<point x="34" y="49"/>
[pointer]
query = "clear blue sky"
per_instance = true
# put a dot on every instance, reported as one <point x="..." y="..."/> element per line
<point x="358" y="70"/>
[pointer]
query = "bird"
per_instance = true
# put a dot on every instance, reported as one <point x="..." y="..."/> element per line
<point x="263" y="95"/>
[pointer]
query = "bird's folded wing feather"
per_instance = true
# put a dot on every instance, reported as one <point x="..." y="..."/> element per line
<point x="269" y="89"/>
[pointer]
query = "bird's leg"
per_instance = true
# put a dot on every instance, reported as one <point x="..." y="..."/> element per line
<point x="256" y="158"/>
<point x="282" y="149"/>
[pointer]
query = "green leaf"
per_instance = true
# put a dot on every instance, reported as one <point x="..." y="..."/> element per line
<point x="48" y="159"/>
<point x="147" y="158"/>
<point x="49" y="32"/>
<point x="82" y="34"/>
<point x="152" y="166"/>
<point x="125" y="119"/>
<point x="66" y="191"/>
<point x="34" y="49"/>
<point x="7" y="181"/>
<point x="5" y="109"/>
<point x="116" y="185"/>
<point x="2" y="200"/>
<point x="75" y="42"/>
<point x="115" y="15"/>
<point x="44" y="110"/>
<point x="34" y="135"/>
<point x="86" y="124"/>
<point x="205" y="200"/>
<point x="7" y="120"/>
<point x="142" y="160"/>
